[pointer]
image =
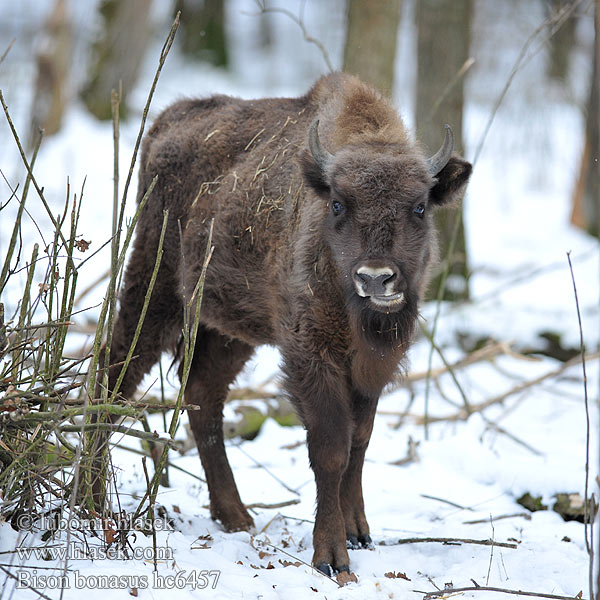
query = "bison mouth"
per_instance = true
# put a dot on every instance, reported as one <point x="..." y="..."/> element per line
<point x="389" y="303"/>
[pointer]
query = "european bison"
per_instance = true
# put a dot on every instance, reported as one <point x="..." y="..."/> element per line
<point x="323" y="241"/>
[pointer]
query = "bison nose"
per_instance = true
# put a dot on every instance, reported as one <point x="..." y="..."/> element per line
<point x="379" y="281"/>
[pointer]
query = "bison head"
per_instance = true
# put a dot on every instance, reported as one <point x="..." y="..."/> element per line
<point x="379" y="198"/>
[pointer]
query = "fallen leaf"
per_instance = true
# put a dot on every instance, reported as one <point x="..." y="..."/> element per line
<point x="314" y="589"/>
<point x="176" y="509"/>
<point x="270" y="565"/>
<point x="343" y="577"/>
<point x="133" y="592"/>
<point x="289" y="563"/>
<point x="262" y="554"/>
<point x="394" y="575"/>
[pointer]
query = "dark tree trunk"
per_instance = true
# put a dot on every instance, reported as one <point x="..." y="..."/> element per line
<point x="586" y="201"/>
<point x="370" y="48"/>
<point x="117" y="54"/>
<point x="202" y="30"/>
<point x="443" y="48"/>
<point x="53" y="63"/>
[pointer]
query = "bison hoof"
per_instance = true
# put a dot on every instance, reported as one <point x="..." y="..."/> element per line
<point x="329" y="571"/>
<point x="354" y="542"/>
<point x="325" y="568"/>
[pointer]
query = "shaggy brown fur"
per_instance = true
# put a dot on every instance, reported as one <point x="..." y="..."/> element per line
<point x="289" y="236"/>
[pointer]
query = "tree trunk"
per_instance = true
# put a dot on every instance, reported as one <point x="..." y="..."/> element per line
<point x="117" y="54"/>
<point x="202" y="30"/>
<point x="370" y="48"/>
<point x="561" y="43"/>
<point x="586" y="200"/>
<point x="443" y="48"/>
<point x="52" y="74"/>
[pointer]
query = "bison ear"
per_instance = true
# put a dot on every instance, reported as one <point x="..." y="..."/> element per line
<point x="451" y="181"/>
<point x="314" y="174"/>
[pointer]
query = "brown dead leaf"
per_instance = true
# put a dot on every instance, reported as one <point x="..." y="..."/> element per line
<point x="133" y="592"/>
<point x="270" y="565"/>
<point x="580" y="595"/>
<point x="207" y="537"/>
<point x="343" y="577"/>
<point x="82" y="245"/>
<point x="314" y="589"/>
<point x="176" y="509"/>
<point x="239" y="562"/>
<point x="110" y="535"/>
<point x="394" y="575"/>
<point x="289" y="563"/>
<point x="262" y="554"/>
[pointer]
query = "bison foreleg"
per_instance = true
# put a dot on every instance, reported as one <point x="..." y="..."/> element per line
<point x="351" y="495"/>
<point x="319" y="391"/>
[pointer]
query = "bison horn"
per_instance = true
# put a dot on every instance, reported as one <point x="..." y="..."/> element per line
<point x="321" y="156"/>
<point x="440" y="159"/>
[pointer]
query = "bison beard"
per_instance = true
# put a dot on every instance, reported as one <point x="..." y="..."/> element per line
<point x="294" y="217"/>
<point x="383" y="331"/>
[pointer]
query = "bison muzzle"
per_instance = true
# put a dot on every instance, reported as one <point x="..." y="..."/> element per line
<point x="323" y="241"/>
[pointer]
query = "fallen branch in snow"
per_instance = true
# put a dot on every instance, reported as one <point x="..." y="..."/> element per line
<point x="448" y="541"/>
<point x="477" y="521"/>
<point x="462" y="414"/>
<point x="274" y="504"/>
<point x="478" y="588"/>
<point x="454" y="504"/>
<point x="488" y="352"/>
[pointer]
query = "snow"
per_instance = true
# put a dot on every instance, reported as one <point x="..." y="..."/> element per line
<point x="517" y="222"/>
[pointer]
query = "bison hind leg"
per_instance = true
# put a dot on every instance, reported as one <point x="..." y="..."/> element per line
<point x="217" y="361"/>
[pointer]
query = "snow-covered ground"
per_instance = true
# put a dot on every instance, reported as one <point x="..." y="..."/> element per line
<point x="467" y="473"/>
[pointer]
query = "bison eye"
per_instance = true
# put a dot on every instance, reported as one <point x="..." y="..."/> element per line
<point x="419" y="210"/>
<point x="337" y="207"/>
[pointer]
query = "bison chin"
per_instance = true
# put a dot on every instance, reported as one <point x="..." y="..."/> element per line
<point x="389" y="324"/>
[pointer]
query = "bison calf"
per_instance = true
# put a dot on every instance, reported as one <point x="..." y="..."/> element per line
<point x="323" y="241"/>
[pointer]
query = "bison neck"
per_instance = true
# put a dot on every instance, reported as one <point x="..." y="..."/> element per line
<point x="380" y="345"/>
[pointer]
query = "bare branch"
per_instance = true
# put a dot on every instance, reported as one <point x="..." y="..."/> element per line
<point x="480" y="588"/>
<point x="299" y="20"/>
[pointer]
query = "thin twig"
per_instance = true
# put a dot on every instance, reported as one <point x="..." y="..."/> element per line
<point x="587" y="518"/>
<point x="29" y="587"/>
<point x="300" y="22"/>
<point x="452" y="590"/>
<point x="447" y="541"/>
<point x="525" y="515"/>
<point x="5" y="53"/>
